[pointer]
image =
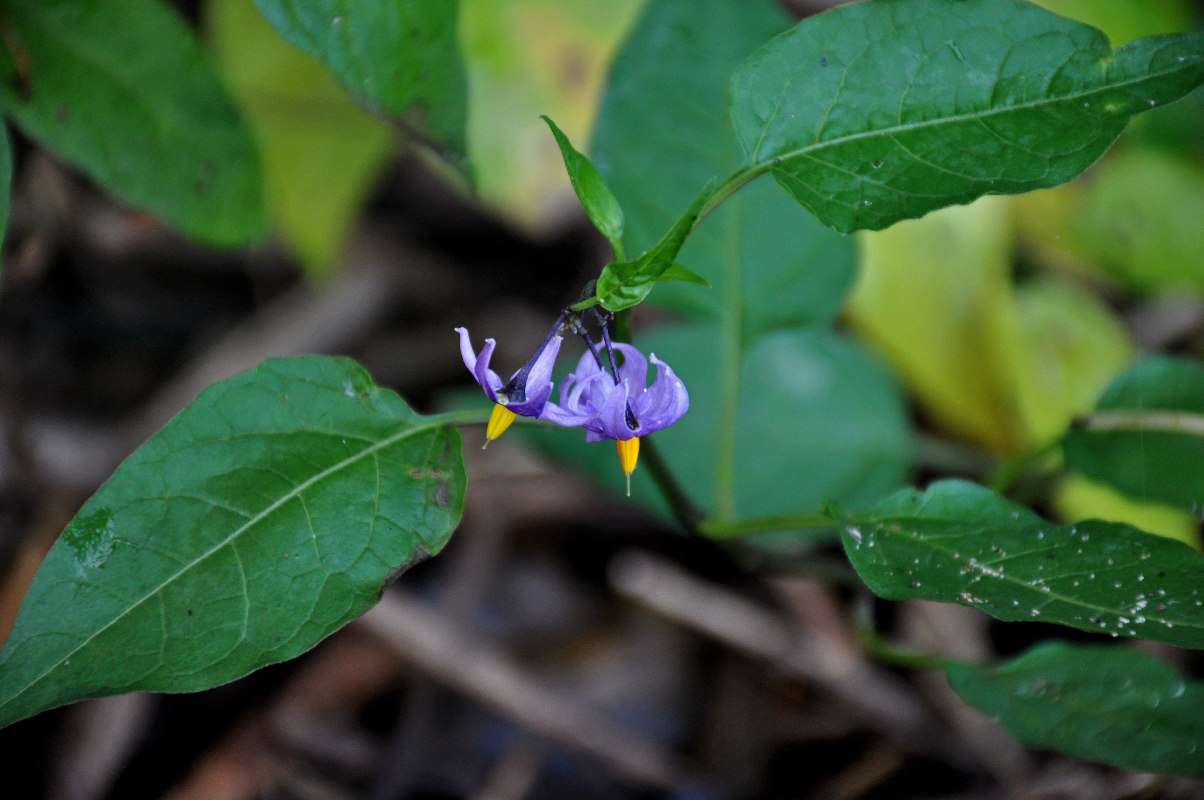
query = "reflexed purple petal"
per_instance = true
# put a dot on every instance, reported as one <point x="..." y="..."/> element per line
<point x="665" y="401"/>
<point x="634" y="367"/>
<point x="479" y="365"/>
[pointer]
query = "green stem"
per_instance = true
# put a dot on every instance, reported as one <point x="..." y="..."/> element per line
<point x="885" y="650"/>
<point x="464" y="416"/>
<point x="729" y="187"/>
<point x="882" y="649"/>
<point x="1014" y="468"/>
<point x="722" y="192"/>
<point x="731" y="528"/>
<point x="681" y="506"/>
<point x="731" y="352"/>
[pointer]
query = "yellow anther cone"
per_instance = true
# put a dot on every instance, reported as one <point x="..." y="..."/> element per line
<point x="499" y="421"/>
<point x="629" y="454"/>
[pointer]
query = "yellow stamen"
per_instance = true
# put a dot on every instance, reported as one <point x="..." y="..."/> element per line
<point x="499" y="421"/>
<point x="629" y="453"/>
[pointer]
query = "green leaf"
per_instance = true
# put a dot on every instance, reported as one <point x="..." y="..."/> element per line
<point x="679" y="272"/>
<point x="1138" y="218"/>
<point x="1146" y="436"/>
<point x="122" y="90"/>
<point x="664" y="131"/>
<point x="935" y="297"/>
<point x="271" y="511"/>
<point x="1109" y="704"/>
<point x="321" y="152"/>
<point x="875" y="112"/>
<point x="958" y="542"/>
<point x="624" y="284"/>
<point x="596" y="198"/>
<point x="399" y="60"/>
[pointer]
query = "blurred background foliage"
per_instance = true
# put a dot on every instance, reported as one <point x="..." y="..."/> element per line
<point x="1001" y="321"/>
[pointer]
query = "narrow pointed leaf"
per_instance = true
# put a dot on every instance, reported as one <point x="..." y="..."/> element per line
<point x="1146" y="436"/>
<point x="958" y="542"/>
<point x="271" y="511"/>
<point x="876" y="112"/>
<point x="596" y="198"/>
<point x="624" y="284"/>
<point x="400" y="60"/>
<point x="122" y="90"/>
<point x="1110" y="704"/>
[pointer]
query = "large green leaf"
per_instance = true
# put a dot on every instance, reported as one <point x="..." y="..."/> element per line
<point x="268" y="513"/>
<point x="398" y="59"/>
<point x="122" y="90"/>
<point x="1146" y="436"/>
<point x="1109" y="704"/>
<point x="875" y="112"/>
<point x="958" y="542"/>
<point x="664" y="133"/>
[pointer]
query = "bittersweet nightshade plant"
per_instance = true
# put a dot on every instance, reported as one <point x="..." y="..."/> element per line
<point x="279" y="504"/>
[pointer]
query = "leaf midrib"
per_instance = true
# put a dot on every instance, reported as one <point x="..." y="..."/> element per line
<point x="892" y="130"/>
<point x="420" y="428"/>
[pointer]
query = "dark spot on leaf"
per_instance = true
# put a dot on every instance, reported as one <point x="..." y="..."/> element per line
<point x="419" y="554"/>
<point x="190" y="612"/>
<point x="1161" y="574"/>
<point x="823" y="61"/>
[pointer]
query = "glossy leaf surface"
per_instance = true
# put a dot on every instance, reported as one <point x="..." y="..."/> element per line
<point x="958" y="542"/>
<point x="122" y="90"/>
<point x="401" y="60"/>
<point x="875" y="112"/>
<point x="271" y="511"/>
<point x="1146" y="436"/>
<point x="1109" y="704"/>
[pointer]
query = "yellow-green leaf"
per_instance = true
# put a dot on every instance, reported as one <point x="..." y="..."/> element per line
<point x="320" y="151"/>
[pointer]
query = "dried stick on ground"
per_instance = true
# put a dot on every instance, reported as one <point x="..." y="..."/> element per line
<point x="425" y="638"/>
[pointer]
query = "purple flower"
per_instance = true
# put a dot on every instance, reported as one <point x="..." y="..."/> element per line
<point x="590" y="398"/>
<point x="526" y="392"/>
